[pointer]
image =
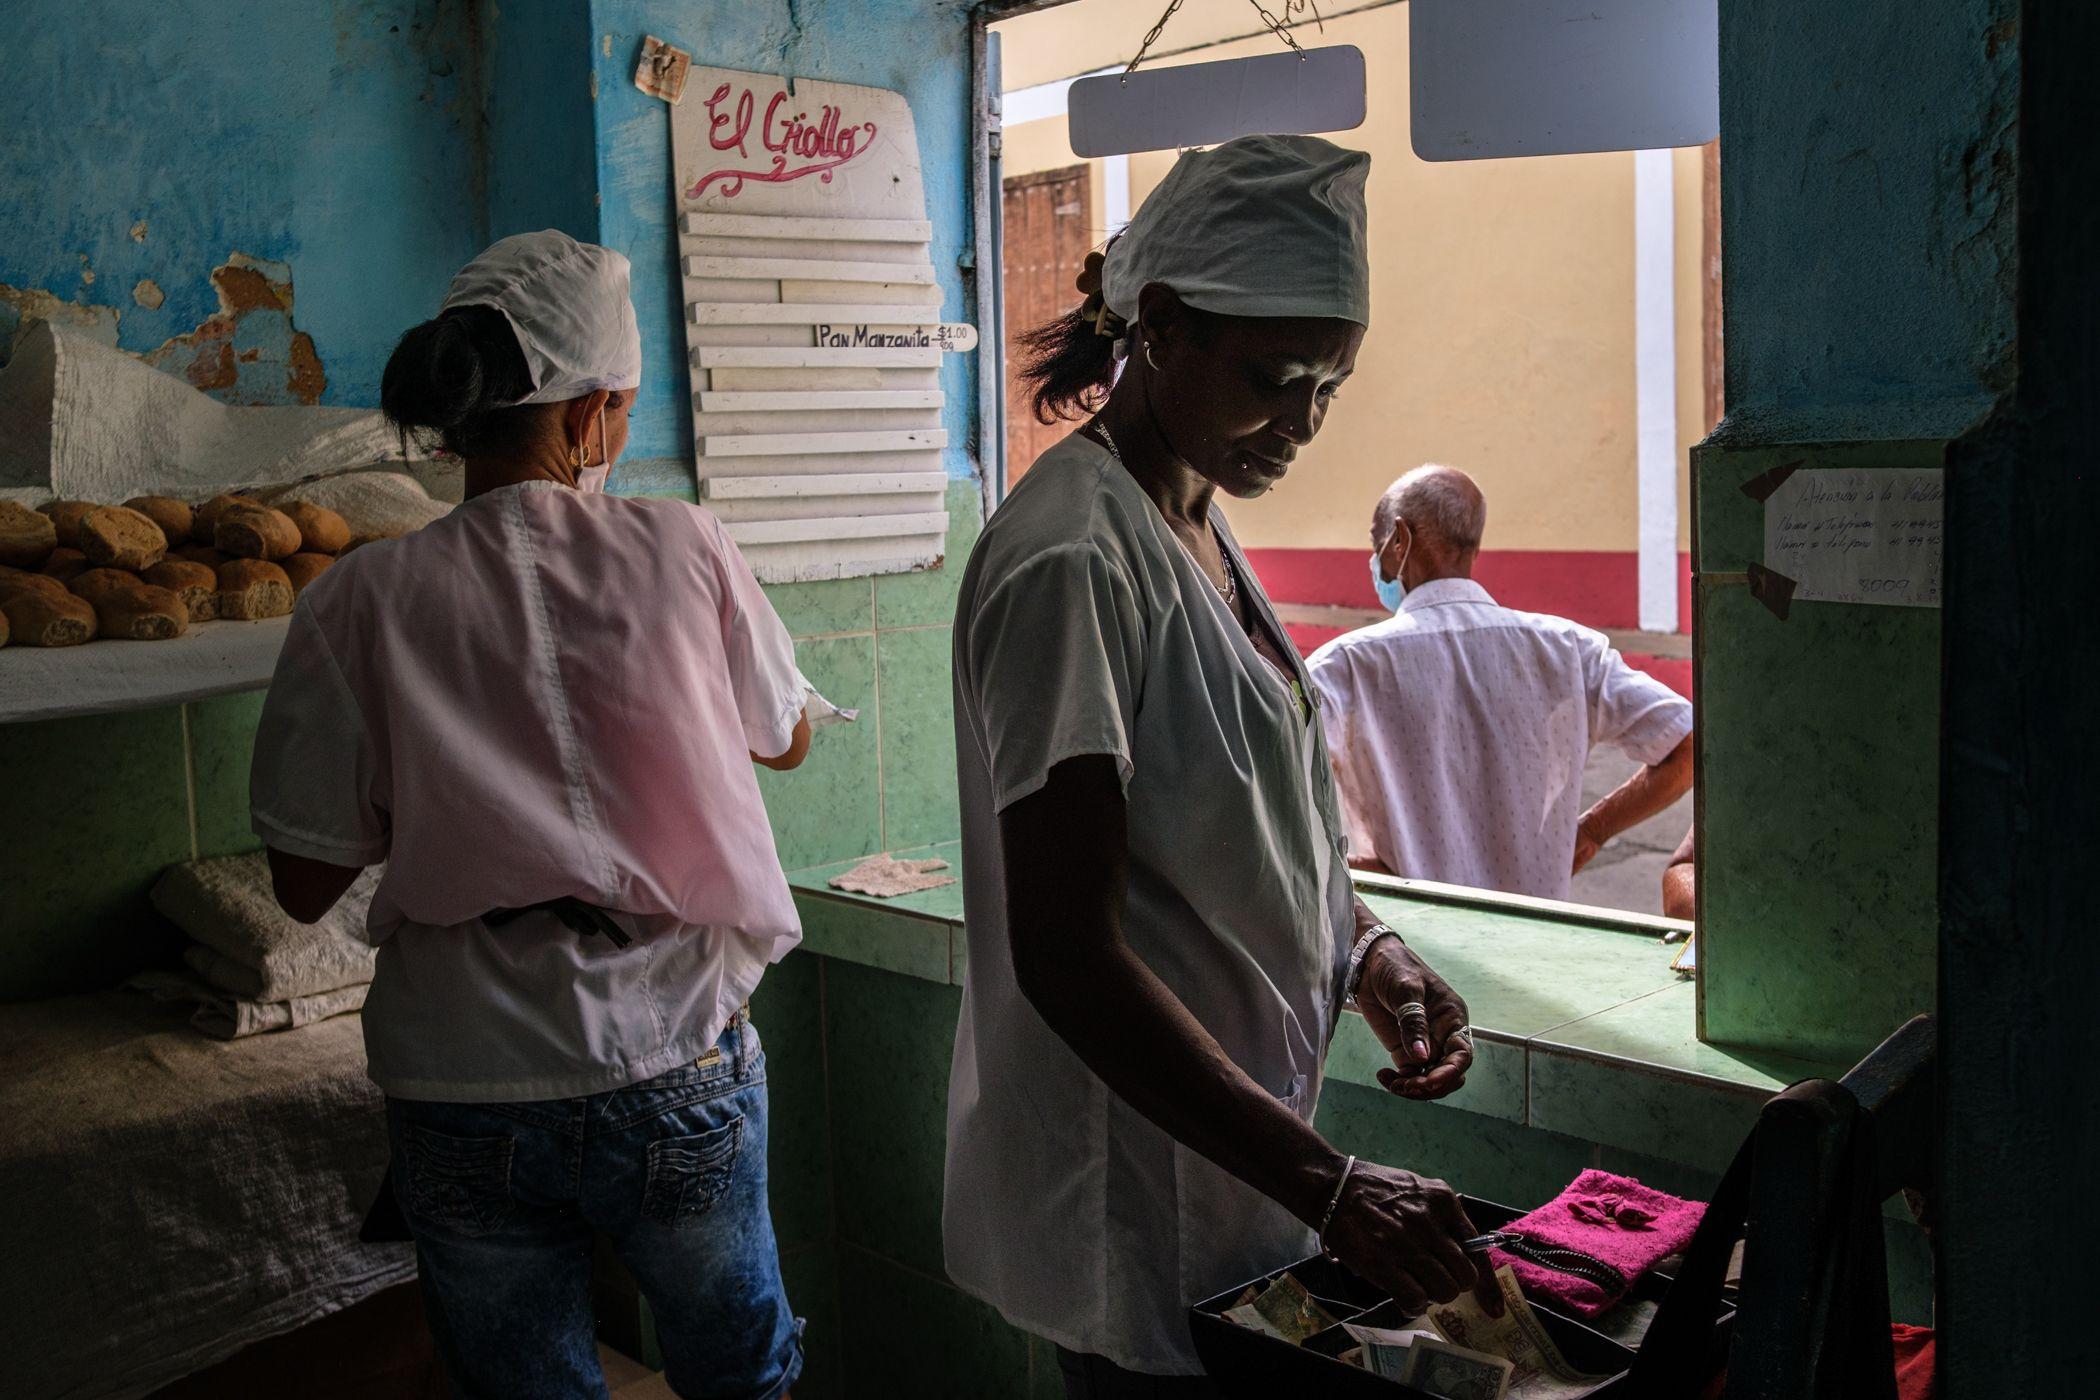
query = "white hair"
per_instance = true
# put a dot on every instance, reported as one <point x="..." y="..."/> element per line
<point x="1441" y="500"/>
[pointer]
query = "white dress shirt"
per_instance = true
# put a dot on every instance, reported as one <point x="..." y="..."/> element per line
<point x="1460" y="729"/>
<point x="1083" y="627"/>
<point x="544" y="694"/>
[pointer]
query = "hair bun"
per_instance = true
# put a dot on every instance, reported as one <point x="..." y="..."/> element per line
<point x="449" y="374"/>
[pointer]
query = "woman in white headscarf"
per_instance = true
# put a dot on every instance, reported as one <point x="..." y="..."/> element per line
<point x="1162" y="928"/>
<point x="540" y="713"/>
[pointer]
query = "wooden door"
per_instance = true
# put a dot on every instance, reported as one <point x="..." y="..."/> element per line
<point x="1047" y="238"/>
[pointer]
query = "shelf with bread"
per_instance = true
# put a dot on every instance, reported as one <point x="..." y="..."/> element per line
<point x="209" y="584"/>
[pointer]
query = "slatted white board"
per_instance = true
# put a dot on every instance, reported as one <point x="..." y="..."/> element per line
<point x="813" y="322"/>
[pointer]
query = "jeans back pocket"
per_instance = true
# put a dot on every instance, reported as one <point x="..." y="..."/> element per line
<point x="687" y="1175"/>
<point x="459" y="1184"/>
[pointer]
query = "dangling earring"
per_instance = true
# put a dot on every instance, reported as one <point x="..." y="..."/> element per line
<point x="1148" y="356"/>
<point x="579" y="455"/>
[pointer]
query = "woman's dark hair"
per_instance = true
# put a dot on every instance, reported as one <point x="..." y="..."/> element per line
<point x="1069" y="366"/>
<point x="456" y="377"/>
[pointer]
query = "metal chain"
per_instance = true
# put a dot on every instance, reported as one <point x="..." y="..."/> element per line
<point x="1278" y="27"/>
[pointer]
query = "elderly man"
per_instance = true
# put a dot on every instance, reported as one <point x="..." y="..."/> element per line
<point x="1459" y="728"/>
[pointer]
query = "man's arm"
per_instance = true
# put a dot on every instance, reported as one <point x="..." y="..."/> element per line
<point x="1679" y="882"/>
<point x="797" y="749"/>
<point x="307" y="888"/>
<point x="1066" y="853"/>
<point x="1634" y="801"/>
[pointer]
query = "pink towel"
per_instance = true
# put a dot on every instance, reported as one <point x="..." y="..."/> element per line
<point x="1615" y="1221"/>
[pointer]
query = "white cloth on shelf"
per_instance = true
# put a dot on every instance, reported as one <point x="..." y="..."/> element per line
<point x="1461" y="727"/>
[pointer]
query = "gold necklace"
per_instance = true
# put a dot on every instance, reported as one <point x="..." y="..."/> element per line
<point x="1228" y="590"/>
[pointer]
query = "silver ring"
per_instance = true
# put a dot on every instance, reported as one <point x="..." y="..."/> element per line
<point x="1414" y="1008"/>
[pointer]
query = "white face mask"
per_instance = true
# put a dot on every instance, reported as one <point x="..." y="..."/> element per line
<point x="591" y="480"/>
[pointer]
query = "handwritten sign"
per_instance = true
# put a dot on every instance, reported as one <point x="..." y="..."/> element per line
<point x="1853" y="536"/>
<point x="944" y="336"/>
<point x="814" y="324"/>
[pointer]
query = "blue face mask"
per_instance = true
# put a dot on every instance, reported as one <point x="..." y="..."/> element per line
<point x="1390" y="591"/>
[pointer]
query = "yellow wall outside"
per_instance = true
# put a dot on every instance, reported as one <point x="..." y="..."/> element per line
<point x="1502" y="337"/>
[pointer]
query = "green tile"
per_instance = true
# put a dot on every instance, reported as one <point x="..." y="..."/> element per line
<point x="96" y="808"/>
<point x="928" y="595"/>
<point x="1494" y="1086"/>
<point x="1486" y="1157"/>
<point x="919" y="804"/>
<point x="1523" y="975"/>
<point x="1659" y="1032"/>
<point x="908" y="1333"/>
<point x="811" y="1278"/>
<point x="830" y="808"/>
<point x="856" y="931"/>
<point x="1637" y="1107"/>
<point x="825" y="608"/>
<point x="787" y="1008"/>
<point x="222" y="745"/>
<point x="890" y="1040"/>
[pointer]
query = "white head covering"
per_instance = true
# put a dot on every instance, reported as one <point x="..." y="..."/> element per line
<point x="1260" y="226"/>
<point x="568" y="304"/>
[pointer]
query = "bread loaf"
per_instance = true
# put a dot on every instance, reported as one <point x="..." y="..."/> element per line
<point x="36" y="619"/>
<point x="171" y="515"/>
<point x="128" y="610"/>
<point x="65" y="519"/>
<point x="256" y="532"/>
<point x="203" y="554"/>
<point x="304" y="567"/>
<point x="65" y="564"/>
<point x="321" y="530"/>
<point x="27" y="537"/>
<point x="14" y="581"/>
<point x="121" y="538"/>
<point x="196" y="584"/>
<point x="250" y="589"/>
<point x="204" y="519"/>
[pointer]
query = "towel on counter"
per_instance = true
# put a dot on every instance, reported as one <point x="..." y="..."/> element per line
<point x="252" y="949"/>
<point x="1601" y="1219"/>
<point x="886" y="878"/>
<point x="226" y="1017"/>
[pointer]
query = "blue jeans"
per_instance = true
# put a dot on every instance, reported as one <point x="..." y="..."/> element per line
<point x="504" y="1200"/>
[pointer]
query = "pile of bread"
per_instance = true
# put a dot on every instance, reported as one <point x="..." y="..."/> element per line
<point x="72" y="571"/>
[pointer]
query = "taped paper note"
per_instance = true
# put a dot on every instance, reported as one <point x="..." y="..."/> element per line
<point x="1859" y="536"/>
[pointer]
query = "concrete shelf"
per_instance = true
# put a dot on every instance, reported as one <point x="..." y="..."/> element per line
<point x="109" y="677"/>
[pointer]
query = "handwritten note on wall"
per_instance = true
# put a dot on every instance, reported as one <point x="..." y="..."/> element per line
<point x="1859" y="536"/>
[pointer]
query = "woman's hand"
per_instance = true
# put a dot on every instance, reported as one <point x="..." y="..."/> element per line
<point x="1430" y="1047"/>
<point x="1406" y="1234"/>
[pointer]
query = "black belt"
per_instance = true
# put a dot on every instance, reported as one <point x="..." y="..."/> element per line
<point x="585" y="919"/>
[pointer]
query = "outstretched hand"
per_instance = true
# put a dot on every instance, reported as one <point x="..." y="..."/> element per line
<point x="1418" y="1018"/>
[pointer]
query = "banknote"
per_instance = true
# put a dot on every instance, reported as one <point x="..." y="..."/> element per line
<point x="1455" y="1372"/>
<point x="1283" y="1310"/>
<point x="1384" y="1349"/>
<point x="1538" y="1370"/>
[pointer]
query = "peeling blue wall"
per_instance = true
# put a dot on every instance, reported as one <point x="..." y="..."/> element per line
<point x="342" y="139"/>
<point x="917" y="47"/>
<point x="1867" y="194"/>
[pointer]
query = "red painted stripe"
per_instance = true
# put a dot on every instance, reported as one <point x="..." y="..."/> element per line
<point x="1674" y="672"/>
<point x="1596" y="587"/>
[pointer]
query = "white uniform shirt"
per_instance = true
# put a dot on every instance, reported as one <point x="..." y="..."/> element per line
<point x="1461" y="727"/>
<point x="544" y="694"/>
<point x="1083" y="627"/>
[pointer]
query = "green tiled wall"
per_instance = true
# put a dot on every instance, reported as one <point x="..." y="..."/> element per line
<point x="95" y="808"/>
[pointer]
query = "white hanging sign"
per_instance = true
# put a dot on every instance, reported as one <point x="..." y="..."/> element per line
<point x="1201" y="104"/>
<point x="813" y="320"/>
<point x="1553" y="77"/>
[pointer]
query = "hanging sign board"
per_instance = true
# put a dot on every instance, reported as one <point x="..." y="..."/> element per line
<point x="1202" y="104"/>
<point x="813" y="323"/>
<point x="1552" y="77"/>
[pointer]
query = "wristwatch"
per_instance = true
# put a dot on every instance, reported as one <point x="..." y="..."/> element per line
<point x="1356" y="959"/>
